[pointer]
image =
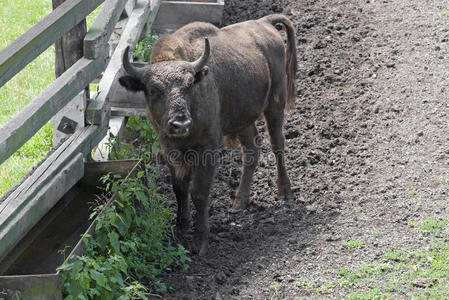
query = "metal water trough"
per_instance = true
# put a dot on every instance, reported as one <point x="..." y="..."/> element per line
<point x="29" y="270"/>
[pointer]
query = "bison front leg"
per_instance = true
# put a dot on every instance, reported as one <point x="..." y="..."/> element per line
<point x="249" y="138"/>
<point x="202" y="180"/>
<point x="181" y="189"/>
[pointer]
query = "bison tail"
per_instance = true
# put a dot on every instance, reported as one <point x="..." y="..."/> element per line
<point x="290" y="59"/>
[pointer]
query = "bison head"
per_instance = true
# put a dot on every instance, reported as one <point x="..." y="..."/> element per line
<point x="170" y="87"/>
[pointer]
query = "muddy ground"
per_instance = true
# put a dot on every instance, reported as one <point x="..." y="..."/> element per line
<point x="368" y="135"/>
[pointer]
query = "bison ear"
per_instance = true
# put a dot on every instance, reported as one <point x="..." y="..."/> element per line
<point x="132" y="84"/>
<point x="201" y="74"/>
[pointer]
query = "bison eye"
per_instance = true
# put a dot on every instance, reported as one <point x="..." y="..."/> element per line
<point x="154" y="92"/>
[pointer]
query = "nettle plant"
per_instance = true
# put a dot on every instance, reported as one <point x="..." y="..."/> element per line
<point x="132" y="243"/>
<point x="144" y="144"/>
<point x="143" y="47"/>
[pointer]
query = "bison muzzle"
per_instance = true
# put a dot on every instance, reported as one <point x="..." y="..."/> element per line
<point x="198" y="95"/>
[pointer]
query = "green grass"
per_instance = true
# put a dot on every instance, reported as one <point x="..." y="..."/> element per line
<point x="402" y="273"/>
<point x="352" y="245"/>
<point x="431" y="225"/>
<point x="16" y="17"/>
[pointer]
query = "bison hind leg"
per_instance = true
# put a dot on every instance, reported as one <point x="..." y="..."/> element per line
<point x="250" y="141"/>
<point x="274" y="117"/>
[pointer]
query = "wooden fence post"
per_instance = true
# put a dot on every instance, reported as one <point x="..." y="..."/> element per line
<point x="69" y="49"/>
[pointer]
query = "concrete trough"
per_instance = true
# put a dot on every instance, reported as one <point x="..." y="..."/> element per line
<point x="29" y="270"/>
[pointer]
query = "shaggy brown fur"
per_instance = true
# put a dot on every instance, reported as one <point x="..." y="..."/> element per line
<point x="249" y="74"/>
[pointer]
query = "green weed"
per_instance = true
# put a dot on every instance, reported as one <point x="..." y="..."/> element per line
<point x="430" y="225"/>
<point x="274" y="287"/>
<point x="352" y="245"/>
<point x="371" y="295"/>
<point x="143" y="47"/>
<point x="132" y="243"/>
<point x="317" y="289"/>
<point x="143" y="140"/>
<point x="421" y="273"/>
<point x="376" y="233"/>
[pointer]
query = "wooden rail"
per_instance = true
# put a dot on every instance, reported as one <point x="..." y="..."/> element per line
<point x="98" y="109"/>
<point x="41" y="36"/>
<point x="26" y="205"/>
<point x="29" y="120"/>
<point x="33" y="198"/>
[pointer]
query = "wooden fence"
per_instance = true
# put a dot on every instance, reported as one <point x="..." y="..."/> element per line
<point x="26" y="205"/>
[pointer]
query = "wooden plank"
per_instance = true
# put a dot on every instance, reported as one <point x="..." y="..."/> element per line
<point x="32" y="191"/>
<point x="83" y="140"/>
<point x="33" y="42"/>
<point x="31" y="237"/>
<point x="20" y="216"/>
<point x="74" y="110"/>
<point x="116" y="128"/>
<point x="128" y="112"/>
<point x="175" y="14"/>
<point x="68" y="50"/>
<point x="126" y="99"/>
<point x="30" y="119"/>
<point x="42" y="286"/>
<point x="96" y="40"/>
<point x="144" y="10"/>
<point x="128" y="8"/>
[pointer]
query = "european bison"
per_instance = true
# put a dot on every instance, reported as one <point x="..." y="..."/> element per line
<point x="244" y="71"/>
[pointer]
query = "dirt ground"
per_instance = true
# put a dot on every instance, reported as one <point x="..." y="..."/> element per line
<point x="368" y="135"/>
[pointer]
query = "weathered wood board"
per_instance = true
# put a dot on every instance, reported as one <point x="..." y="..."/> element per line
<point x="18" y="217"/>
<point x="28" y="46"/>
<point x="30" y="201"/>
<point x="144" y="12"/>
<point x="126" y="99"/>
<point x="116" y="128"/>
<point x="68" y="50"/>
<point x="175" y="14"/>
<point x="171" y="16"/>
<point x="29" y="120"/>
<point x="49" y="287"/>
<point x="96" y="40"/>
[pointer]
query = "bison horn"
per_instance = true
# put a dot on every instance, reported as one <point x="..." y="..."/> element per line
<point x="129" y="68"/>
<point x="202" y="61"/>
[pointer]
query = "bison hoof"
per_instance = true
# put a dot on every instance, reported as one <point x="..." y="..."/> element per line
<point x="203" y="249"/>
<point x="286" y="194"/>
<point x="201" y="242"/>
<point x="183" y="225"/>
<point x="239" y="203"/>
<point x="200" y="246"/>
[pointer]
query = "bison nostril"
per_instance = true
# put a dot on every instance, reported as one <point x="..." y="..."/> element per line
<point x="183" y="123"/>
<point x="177" y="125"/>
